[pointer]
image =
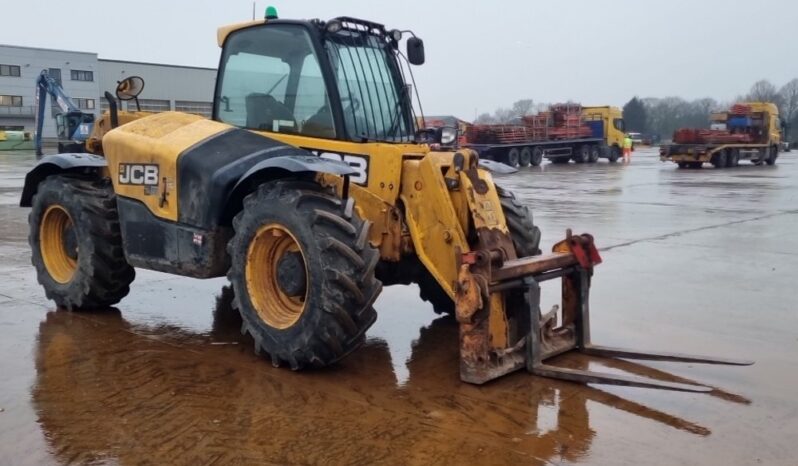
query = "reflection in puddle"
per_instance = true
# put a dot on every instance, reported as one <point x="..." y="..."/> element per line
<point x="110" y="390"/>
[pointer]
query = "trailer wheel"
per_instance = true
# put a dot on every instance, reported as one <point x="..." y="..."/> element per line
<point x="615" y="154"/>
<point x="774" y="153"/>
<point x="526" y="157"/>
<point x="303" y="273"/>
<point x="719" y="159"/>
<point x="733" y="158"/>
<point x="582" y="154"/>
<point x="595" y="153"/>
<point x="537" y="156"/>
<point x="513" y="156"/>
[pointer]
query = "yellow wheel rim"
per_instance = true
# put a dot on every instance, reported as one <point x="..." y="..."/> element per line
<point x="273" y="305"/>
<point x="60" y="262"/>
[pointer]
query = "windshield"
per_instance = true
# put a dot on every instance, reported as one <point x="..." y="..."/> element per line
<point x="271" y="80"/>
<point x="374" y="101"/>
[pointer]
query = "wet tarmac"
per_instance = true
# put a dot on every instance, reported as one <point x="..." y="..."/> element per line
<point x="701" y="261"/>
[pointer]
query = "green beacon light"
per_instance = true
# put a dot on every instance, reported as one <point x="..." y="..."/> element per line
<point x="271" y="12"/>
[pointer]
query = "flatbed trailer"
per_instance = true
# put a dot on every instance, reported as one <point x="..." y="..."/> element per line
<point x="719" y="155"/>
<point x="747" y="131"/>
<point x="582" y="150"/>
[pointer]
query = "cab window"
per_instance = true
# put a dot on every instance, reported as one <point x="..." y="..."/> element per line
<point x="618" y="124"/>
<point x="270" y="80"/>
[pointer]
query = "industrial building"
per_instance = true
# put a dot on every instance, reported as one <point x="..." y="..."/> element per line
<point x="85" y="78"/>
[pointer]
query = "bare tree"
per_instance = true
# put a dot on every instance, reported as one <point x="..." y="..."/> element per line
<point x="764" y="91"/>
<point x="789" y="99"/>
<point x="523" y="107"/>
<point x="485" y="119"/>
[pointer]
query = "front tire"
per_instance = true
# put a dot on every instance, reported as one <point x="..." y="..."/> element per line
<point x="76" y="243"/>
<point x="303" y="274"/>
<point x="615" y="154"/>
<point x="774" y="153"/>
<point x="525" y="236"/>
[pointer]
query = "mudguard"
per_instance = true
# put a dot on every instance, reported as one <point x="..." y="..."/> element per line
<point x="496" y="167"/>
<point x="52" y="164"/>
<point x="213" y="173"/>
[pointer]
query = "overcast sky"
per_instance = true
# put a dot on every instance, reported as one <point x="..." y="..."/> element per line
<point x="480" y="55"/>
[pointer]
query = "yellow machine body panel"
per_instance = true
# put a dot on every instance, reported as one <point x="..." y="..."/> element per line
<point x="614" y="129"/>
<point x="382" y="172"/>
<point x="435" y="217"/>
<point x="103" y="125"/>
<point x="154" y="141"/>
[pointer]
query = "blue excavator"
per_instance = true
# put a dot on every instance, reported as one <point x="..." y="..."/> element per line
<point x="73" y="125"/>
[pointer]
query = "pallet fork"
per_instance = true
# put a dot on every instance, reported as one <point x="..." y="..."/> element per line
<point x="502" y="329"/>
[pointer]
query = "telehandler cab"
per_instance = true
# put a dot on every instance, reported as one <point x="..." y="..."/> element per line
<point x="311" y="189"/>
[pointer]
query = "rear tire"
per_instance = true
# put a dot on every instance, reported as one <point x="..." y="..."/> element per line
<point x="582" y="154"/>
<point x="595" y="153"/>
<point x="525" y="236"/>
<point x="525" y="159"/>
<point x="313" y="318"/>
<point x="76" y="243"/>
<point x="719" y="160"/>
<point x="537" y="156"/>
<point x="733" y="158"/>
<point x="513" y="156"/>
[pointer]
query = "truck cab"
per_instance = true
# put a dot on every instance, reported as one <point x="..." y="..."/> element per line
<point x="613" y="125"/>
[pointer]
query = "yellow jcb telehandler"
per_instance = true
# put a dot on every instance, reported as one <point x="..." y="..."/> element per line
<point x="311" y="188"/>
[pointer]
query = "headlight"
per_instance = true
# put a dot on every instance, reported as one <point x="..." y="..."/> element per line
<point x="448" y="135"/>
<point x="334" y="26"/>
<point x="396" y="35"/>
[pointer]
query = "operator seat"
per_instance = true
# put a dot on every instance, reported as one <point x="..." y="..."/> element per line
<point x="320" y="125"/>
<point x="267" y="113"/>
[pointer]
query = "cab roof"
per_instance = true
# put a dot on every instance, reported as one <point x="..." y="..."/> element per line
<point x="224" y="31"/>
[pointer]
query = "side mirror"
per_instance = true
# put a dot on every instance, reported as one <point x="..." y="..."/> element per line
<point x="415" y="51"/>
<point x="129" y="88"/>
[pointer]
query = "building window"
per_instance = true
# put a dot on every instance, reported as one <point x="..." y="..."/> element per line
<point x="149" y="105"/>
<point x="55" y="73"/>
<point x="84" y="104"/>
<point x="200" y="108"/>
<point x="78" y="75"/>
<point x="10" y="101"/>
<point x="9" y="70"/>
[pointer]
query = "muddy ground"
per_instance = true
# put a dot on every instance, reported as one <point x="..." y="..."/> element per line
<point x="702" y="261"/>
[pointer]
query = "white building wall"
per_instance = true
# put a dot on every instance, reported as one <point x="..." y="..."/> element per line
<point x="31" y="62"/>
<point x="161" y="82"/>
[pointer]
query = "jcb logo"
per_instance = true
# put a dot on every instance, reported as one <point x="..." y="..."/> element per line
<point x="359" y="163"/>
<point x="138" y="174"/>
